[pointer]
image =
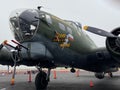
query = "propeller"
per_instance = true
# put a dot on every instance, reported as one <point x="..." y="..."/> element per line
<point x="99" y="31"/>
<point x="113" y="39"/>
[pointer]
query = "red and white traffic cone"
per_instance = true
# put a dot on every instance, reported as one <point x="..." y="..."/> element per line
<point x="91" y="83"/>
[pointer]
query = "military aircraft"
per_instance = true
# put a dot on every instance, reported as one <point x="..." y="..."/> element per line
<point x="46" y="41"/>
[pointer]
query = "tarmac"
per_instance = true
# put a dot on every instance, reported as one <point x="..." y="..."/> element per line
<point x="64" y="81"/>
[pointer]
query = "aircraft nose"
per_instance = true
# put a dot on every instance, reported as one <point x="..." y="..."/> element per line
<point x="25" y="24"/>
<point x="28" y="22"/>
<point x="28" y="17"/>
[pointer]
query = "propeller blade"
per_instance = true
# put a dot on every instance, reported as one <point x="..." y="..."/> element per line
<point x="98" y="31"/>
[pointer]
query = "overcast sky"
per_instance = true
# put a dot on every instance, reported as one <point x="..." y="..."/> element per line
<point x="96" y="13"/>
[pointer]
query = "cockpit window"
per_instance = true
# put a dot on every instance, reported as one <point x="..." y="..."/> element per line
<point x="24" y="24"/>
<point x="48" y="19"/>
<point x="76" y="25"/>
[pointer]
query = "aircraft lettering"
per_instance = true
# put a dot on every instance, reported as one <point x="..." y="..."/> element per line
<point x="65" y="45"/>
<point x="61" y="39"/>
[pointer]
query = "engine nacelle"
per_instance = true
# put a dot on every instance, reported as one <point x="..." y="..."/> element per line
<point x="113" y="44"/>
<point x="100" y="75"/>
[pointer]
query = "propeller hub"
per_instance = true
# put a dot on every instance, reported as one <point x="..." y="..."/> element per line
<point x="85" y="27"/>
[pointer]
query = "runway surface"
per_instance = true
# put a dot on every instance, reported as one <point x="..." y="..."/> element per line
<point x="64" y="81"/>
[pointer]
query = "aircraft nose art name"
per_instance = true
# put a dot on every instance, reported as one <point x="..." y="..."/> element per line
<point x="63" y="39"/>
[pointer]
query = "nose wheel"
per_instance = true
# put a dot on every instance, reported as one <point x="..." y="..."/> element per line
<point x="42" y="79"/>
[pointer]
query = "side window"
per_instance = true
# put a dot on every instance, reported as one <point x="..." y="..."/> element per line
<point x="62" y="26"/>
<point x="48" y="19"/>
<point x="79" y="25"/>
<point x="42" y="16"/>
<point x="69" y="30"/>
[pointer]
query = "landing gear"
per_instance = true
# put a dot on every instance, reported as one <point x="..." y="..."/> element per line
<point x="72" y="70"/>
<point x="100" y="75"/>
<point x="42" y="79"/>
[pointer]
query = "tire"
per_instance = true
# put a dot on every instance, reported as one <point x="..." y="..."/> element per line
<point x="100" y="75"/>
<point x="40" y="81"/>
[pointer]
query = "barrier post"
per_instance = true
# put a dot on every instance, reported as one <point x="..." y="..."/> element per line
<point x="54" y="74"/>
<point x="29" y="77"/>
<point x="77" y="73"/>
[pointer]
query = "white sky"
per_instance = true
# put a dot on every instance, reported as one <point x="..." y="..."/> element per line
<point x="96" y="13"/>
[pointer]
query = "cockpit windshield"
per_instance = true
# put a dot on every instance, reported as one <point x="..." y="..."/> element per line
<point x="75" y="24"/>
<point x="24" y="24"/>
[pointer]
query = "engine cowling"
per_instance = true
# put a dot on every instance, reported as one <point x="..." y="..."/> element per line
<point x="113" y="44"/>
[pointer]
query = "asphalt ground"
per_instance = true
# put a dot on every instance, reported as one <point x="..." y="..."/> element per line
<point x="64" y="81"/>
